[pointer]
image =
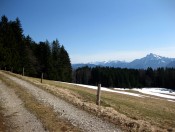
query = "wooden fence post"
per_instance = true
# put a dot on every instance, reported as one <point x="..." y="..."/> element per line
<point x="23" y="71"/>
<point x="41" y="77"/>
<point x="98" y="94"/>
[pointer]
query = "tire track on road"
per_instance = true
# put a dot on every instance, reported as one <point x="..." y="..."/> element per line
<point x="19" y="118"/>
<point x="45" y="113"/>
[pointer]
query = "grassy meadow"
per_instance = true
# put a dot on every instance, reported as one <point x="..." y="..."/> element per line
<point x="157" y="112"/>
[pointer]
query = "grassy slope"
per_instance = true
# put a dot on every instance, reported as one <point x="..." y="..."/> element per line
<point x="159" y="113"/>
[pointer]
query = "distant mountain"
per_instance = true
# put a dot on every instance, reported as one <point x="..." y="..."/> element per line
<point x="151" y="60"/>
<point x="171" y="64"/>
<point x="121" y="64"/>
<point x="76" y="66"/>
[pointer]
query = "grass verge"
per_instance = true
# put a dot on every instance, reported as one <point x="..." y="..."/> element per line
<point x="157" y="112"/>
<point x="130" y="113"/>
<point x="44" y="113"/>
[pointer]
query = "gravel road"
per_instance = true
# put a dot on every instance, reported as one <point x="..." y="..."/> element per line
<point x="20" y="119"/>
<point x="77" y="117"/>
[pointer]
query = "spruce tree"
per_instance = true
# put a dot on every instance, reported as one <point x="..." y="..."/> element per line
<point x="29" y="60"/>
<point x="65" y="65"/>
<point x="18" y="51"/>
<point x="55" y="73"/>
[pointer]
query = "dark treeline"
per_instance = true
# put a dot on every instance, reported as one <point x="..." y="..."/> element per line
<point x="126" y="78"/>
<point x="18" y="51"/>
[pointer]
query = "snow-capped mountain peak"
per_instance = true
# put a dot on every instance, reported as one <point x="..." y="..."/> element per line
<point x="106" y="62"/>
<point x="150" y="60"/>
<point x="154" y="56"/>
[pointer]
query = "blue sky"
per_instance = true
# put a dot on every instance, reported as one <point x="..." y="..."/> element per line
<point x="99" y="30"/>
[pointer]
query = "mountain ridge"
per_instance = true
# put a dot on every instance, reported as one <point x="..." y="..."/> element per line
<point x="150" y="60"/>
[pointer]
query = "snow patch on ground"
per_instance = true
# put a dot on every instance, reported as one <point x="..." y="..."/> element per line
<point x="159" y="92"/>
<point x="171" y="100"/>
<point x="107" y="89"/>
<point x="110" y="90"/>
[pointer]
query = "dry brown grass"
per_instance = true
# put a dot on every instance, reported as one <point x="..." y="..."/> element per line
<point x="45" y="113"/>
<point x="2" y="119"/>
<point x="130" y="113"/>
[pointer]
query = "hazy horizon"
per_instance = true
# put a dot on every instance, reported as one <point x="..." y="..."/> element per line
<point x="91" y="62"/>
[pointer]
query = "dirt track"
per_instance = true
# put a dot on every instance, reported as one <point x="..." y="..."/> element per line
<point x="66" y="111"/>
<point x="20" y="119"/>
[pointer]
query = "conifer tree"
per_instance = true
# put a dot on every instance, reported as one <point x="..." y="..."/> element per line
<point x="29" y="60"/>
<point x="55" y="60"/>
<point x="18" y="51"/>
<point x="65" y="65"/>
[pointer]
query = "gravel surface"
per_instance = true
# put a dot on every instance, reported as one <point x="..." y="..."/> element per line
<point x="19" y="118"/>
<point x="77" y="117"/>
